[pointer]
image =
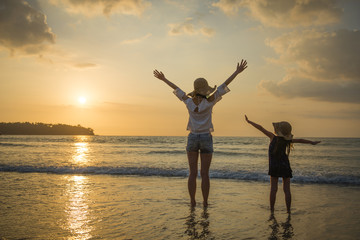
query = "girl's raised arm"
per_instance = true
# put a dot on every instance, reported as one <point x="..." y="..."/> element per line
<point x="260" y="128"/>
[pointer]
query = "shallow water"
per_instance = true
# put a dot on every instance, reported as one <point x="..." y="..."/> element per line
<point x="60" y="206"/>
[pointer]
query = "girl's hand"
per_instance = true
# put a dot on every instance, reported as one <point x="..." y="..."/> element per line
<point x="316" y="142"/>
<point x="241" y="67"/>
<point x="159" y="75"/>
<point x="246" y="118"/>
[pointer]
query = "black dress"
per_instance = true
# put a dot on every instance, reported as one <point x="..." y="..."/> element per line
<point x="279" y="165"/>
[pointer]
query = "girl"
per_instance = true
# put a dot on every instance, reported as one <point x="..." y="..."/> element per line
<point x="279" y="165"/>
<point x="199" y="104"/>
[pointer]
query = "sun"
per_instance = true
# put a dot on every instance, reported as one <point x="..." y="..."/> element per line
<point x="82" y="100"/>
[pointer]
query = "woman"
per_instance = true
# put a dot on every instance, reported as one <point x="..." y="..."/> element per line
<point x="199" y="104"/>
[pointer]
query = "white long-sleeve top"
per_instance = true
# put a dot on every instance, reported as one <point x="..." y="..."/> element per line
<point x="201" y="121"/>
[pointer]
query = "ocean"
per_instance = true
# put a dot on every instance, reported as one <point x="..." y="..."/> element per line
<point x="134" y="187"/>
<point x="334" y="161"/>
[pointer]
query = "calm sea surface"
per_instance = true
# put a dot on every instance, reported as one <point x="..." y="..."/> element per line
<point x="333" y="161"/>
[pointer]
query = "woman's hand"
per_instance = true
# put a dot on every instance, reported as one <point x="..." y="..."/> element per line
<point x="162" y="77"/>
<point x="241" y="67"/>
<point x="316" y="142"/>
<point x="159" y="75"/>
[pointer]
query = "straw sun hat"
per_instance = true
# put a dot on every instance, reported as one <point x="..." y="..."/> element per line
<point x="202" y="87"/>
<point x="283" y="129"/>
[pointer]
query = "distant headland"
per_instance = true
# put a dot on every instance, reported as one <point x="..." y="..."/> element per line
<point x="27" y="128"/>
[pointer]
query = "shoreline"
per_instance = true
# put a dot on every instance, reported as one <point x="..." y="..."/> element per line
<point x="149" y="207"/>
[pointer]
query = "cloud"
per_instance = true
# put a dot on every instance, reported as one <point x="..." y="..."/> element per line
<point x="136" y="40"/>
<point x="285" y="13"/>
<point x="320" y="65"/>
<point x="343" y="112"/>
<point x="208" y="32"/>
<point x="23" y="28"/>
<point x="230" y="7"/>
<point x="84" y="65"/>
<point x="189" y="28"/>
<point x="308" y="88"/>
<point x="104" y="7"/>
<point x="324" y="55"/>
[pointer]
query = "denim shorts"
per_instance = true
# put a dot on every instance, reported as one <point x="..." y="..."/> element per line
<point x="200" y="141"/>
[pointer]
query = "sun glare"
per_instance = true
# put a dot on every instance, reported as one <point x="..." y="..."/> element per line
<point x="82" y="100"/>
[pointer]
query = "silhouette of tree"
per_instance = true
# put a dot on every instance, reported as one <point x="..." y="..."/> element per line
<point x="27" y="128"/>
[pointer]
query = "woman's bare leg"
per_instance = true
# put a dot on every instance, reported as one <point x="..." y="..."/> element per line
<point x="273" y="190"/>
<point x="205" y="179"/>
<point x="193" y="171"/>
<point x="286" y="188"/>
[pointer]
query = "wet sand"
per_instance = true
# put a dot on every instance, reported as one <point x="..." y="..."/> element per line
<point x="59" y="206"/>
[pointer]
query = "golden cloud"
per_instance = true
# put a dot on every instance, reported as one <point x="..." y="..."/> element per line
<point x="320" y="65"/>
<point x="189" y="27"/>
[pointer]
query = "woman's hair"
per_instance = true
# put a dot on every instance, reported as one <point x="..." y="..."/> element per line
<point x="282" y="144"/>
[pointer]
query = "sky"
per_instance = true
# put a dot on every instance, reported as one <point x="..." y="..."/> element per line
<point x="91" y="62"/>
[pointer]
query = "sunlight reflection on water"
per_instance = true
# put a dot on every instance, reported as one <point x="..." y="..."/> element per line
<point x="81" y="146"/>
<point x="77" y="208"/>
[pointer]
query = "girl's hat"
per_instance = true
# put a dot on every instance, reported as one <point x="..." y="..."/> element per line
<point x="283" y="129"/>
<point x="202" y="87"/>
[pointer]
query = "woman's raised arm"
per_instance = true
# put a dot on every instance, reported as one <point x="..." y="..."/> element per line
<point x="239" y="68"/>
<point x="161" y="76"/>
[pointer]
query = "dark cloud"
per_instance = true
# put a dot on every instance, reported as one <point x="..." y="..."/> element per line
<point x="324" y="55"/>
<point x="104" y="7"/>
<point x="286" y="13"/>
<point x="317" y="90"/>
<point x="23" y="28"/>
<point x="343" y="112"/>
<point x="320" y="65"/>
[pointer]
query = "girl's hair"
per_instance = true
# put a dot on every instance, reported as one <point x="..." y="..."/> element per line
<point x="199" y="95"/>
<point x="282" y="144"/>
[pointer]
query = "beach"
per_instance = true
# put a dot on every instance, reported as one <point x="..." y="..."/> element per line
<point x="52" y="206"/>
<point x="62" y="187"/>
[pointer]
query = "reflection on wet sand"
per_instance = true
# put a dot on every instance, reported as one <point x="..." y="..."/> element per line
<point x="286" y="231"/>
<point x="77" y="208"/>
<point x="198" y="229"/>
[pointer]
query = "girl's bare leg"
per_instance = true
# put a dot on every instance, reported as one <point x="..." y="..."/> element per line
<point x="273" y="190"/>
<point x="193" y="171"/>
<point x="205" y="179"/>
<point x="286" y="188"/>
